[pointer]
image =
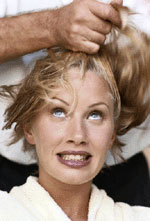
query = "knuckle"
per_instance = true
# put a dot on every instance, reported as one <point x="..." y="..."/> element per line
<point x="77" y="15"/>
<point x="74" y="29"/>
<point x="75" y="45"/>
<point x="80" y="10"/>
<point x="94" y="49"/>
<point x="74" y="49"/>
<point x="109" y="12"/>
<point x="103" y="38"/>
<point x="84" y="2"/>
<point x="105" y="28"/>
<point x="108" y="28"/>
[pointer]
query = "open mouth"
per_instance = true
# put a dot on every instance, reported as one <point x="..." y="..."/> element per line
<point x="74" y="159"/>
<point x="78" y="157"/>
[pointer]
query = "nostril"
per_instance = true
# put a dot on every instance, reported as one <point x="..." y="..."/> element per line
<point x="70" y="141"/>
<point x="78" y="142"/>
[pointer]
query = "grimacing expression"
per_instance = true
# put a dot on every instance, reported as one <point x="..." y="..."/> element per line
<point x="72" y="146"/>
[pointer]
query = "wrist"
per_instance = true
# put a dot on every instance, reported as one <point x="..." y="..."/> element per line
<point x="48" y="20"/>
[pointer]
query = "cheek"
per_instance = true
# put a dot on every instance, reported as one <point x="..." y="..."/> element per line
<point x="102" y="137"/>
<point x="47" y="137"/>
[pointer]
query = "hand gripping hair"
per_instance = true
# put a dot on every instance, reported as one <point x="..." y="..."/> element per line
<point x="124" y="63"/>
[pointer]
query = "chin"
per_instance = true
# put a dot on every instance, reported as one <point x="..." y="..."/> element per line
<point x="76" y="178"/>
<point x="76" y="182"/>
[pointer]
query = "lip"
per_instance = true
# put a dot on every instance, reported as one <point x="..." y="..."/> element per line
<point x="74" y="163"/>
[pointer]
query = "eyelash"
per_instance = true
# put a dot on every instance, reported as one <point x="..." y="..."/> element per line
<point x="54" y="110"/>
<point x="100" y="113"/>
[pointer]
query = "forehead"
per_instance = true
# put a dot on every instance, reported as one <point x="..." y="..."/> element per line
<point x="90" y="88"/>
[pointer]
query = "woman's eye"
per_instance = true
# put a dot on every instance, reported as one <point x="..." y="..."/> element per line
<point x="58" y="112"/>
<point x="95" y="115"/>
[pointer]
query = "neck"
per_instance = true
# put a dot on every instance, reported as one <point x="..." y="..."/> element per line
<point x="73" y="199"/>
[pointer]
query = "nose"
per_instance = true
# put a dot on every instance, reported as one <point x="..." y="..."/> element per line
<point x="77" y="132"/>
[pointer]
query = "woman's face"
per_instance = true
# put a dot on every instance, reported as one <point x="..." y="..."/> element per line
<point x="71" y="148"/>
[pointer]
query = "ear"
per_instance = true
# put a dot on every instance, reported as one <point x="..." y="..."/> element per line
<point x="113" y="139"/>
<point x="29" y="134"/>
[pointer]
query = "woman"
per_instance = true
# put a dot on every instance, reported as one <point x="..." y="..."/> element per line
<point x="70" y="108"/>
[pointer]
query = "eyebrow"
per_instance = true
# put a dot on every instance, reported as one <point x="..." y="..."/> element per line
<point x="99" y="103"/>
<point x="93" y="105"/>
<point x="56" y="98"/>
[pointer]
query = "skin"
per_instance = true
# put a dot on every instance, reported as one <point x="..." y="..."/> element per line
<point x="87" y="25"/>
<point x="54" y="131"/>
<point x="79" y="26"/>
<point x="146" y="153"/>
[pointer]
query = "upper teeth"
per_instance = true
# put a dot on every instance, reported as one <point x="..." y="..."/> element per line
<point x="74" y="157"/>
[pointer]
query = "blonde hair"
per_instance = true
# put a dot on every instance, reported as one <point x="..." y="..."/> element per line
<point x="125" y="68"/>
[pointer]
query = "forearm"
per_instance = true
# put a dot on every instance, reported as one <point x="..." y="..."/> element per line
<point x="79" y="26"/>
<point x="26" y="33"/>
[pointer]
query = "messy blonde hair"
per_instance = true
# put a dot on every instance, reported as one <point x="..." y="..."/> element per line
<point x="125" y="68"/>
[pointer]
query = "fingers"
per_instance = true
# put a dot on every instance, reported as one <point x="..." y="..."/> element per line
<point x="92" y="36"/>
<point x="83" y="25"/>
<point x="105" y="12"/>
<point x="88" y="47"/>
<point x="88" y="41"/>
<point x="99" y="26"/>
<point x="117" y="2"/>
